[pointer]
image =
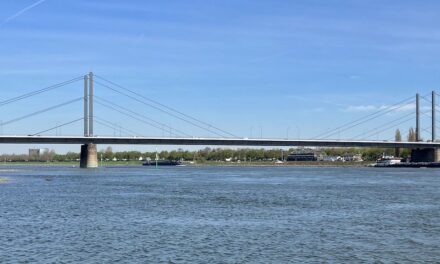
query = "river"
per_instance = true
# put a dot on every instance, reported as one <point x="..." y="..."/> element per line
<point x="219" y="215"/>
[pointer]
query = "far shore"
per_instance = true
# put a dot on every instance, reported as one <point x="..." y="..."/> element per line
<point x="203" y="163"/>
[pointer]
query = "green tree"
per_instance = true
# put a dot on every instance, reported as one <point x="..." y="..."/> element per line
<point x="397" y="138"/>
<point x="108" y="153"/>
<point x="411" y="135"/>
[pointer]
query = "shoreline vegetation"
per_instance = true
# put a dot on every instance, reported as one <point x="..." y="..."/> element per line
<point x="203" y="164"/>
<point x="328" y="157"/>
<point x="211" y="156"/>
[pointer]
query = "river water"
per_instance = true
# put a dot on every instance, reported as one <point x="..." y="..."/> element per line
<point x="219" y="215"/>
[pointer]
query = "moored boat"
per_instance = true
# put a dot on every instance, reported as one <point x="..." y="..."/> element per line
<point x="387" y="161"/>
<point x="161" y="163"/>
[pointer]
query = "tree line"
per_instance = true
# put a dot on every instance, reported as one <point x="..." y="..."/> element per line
<point x="207" y="154"/>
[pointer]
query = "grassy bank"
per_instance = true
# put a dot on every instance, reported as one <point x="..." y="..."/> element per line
<point x="68" y="163"/>
<point x="286" y="164"/>
<point x="201" y="163"/>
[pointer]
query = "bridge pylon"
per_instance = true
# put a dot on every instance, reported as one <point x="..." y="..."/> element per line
<point x="425" y="154"/>
<point x="89" y="153"/>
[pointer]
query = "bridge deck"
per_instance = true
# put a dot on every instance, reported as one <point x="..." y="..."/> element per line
<point x="210" y="142"/>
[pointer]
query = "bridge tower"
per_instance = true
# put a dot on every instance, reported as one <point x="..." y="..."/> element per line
<point x="89" y="153"/>
<point x="417" y="117"/>
<point x="433" y="136"/>
<point x="426" y="154"/>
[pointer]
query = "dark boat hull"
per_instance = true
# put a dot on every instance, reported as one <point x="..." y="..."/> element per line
<point x="161" y="163"/>
<point x="412" y="165"/>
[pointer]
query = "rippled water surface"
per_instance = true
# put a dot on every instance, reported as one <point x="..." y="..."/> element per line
<point x="219" y="215"/>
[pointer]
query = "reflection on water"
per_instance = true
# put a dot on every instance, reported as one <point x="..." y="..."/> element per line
<point x="4" y="180"/>
<point x="219" y="214"/>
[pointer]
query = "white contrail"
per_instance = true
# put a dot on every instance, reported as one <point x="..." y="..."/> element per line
<point x="19" y="13"/>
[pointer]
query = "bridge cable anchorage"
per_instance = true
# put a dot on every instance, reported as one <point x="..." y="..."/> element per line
<point x="132" y="116"/>
<point x="42" y="111"/>
<point x="162" y="125"/>
<point x="166" y="107"/>
<point x="36" y="92"/>
<point x="369" y="117"/>
<point x="58" y="126"/>
<point x="389" y="127"/>
<point x="359" y="136"/>
<point x="114" y="126"/>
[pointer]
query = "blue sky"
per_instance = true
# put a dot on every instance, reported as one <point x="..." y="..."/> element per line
<point x="276" y="67"/>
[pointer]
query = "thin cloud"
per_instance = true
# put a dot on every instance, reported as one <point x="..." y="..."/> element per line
<point x="369" y="108"/>
<point x="21" y="12"/>
<point x="360" y="108"/>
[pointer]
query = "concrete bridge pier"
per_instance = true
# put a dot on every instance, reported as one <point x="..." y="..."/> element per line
<point x="89" y="156"/>
<point x="89" y="153"/>
<point x="425" y="155"/>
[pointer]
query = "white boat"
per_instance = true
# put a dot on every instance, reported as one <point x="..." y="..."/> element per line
<point x="387" y="161"/>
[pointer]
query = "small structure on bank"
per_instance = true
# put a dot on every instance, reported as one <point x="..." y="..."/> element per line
<point x="302" y="157"/>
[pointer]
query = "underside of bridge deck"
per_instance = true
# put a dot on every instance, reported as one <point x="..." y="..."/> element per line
<point x="425" y="155"/>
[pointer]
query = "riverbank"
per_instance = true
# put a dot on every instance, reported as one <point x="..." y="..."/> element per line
<point x="203" y="163"/>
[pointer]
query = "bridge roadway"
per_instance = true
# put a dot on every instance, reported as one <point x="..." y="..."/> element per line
<point x="210" y="141"/>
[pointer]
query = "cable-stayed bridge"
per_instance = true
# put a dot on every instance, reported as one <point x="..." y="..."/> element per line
<point x="421" y="150"/>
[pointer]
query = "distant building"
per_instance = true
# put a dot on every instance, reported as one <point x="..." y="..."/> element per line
<point x="36" y="154"/>
<point x="302" y="157"/>
<point x="355" y="157"/>
<point x="330" y="158"/>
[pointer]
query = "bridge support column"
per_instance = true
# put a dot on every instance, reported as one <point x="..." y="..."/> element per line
<point x="425" y="155"/>
<point x="89" y="156"/>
